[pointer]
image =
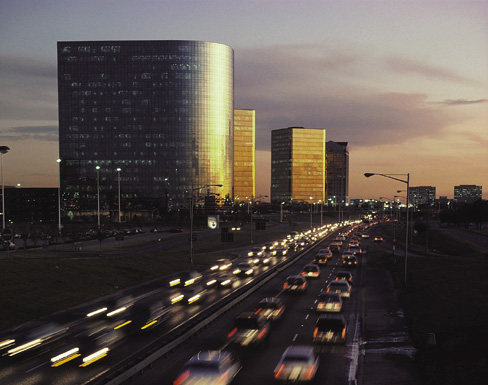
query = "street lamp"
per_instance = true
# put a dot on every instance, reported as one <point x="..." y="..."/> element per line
<point x="120" y="210"/>
<point x="59" y="195"/>
<point x="311" y="221"/>
<point x="281" y="212"/>
<point x="3" y="150"/>
<point x="98" y="195"/>
<point x="251" y="202"/>
<point x="191" y="215"/>
<point x="407" y="181"/>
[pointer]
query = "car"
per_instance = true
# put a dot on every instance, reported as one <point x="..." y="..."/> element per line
<point x="340" y="238"/>
<point x="221" y="279"/>
<point x="297" y="364"/>
<point x="295" y="283"/>
<point x="355" y="250"/>
<point x="244" y="269"/>
<point x="344" y="276"/>
<point x="354" y="243"/>
<point x="293" y="246"/>
<point x="268" y="247"/>
<point x="255" y="252"/>
<point x="327" y="252"/>
<point x="311" y="271"/>
<point x="335" y="247"/>
<point x="365" y="236"/>
<point x="209" y="367"/>
<point x="281" y="251"/>
<point x="264" y="259"/>
<point x="189" y="295"/>
<point x="330" y="328"/>
<point x="271" y="308"/>
<point x="320" y="259"/>
<point x="378" y="239"/>
<point x="329" y="302"/>
<point x="147" y="313"/>
<point x="185" y="278"/>
<point x="349" y="261"/>
<point x="112" y="308"/>
<point x="221" y="264"/>
<point x="250" y="329"/>
<point x="341" y="287"/>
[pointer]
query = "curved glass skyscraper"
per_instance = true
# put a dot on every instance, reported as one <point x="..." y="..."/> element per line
<point x="160" y="111"/>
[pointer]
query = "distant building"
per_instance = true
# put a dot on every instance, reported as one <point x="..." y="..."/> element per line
<point x="422" y="195"/>
<point x="337" y="173"/>
<point x="244" y="155"/>
<point x="161" y="111"/>
<point x="467" y="193"/>
<point x="31" y="205"/>
<point x="298" y="165"/>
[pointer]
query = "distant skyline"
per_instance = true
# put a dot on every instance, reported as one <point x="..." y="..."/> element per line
<point x="404" y="82"/>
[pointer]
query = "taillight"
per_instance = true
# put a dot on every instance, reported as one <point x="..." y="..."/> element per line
<point x="279" y="371"/>
<point x="310" y="372"/>
<point x="304" y="286"/>
<point x="257" y="311"/>
<point x="285" y="285"/>
<point x="182" y="378"/>
<point x="232" y="333"/>
<point x="261" y="333"/>
<point x="343" y="333"/>
<point x="328" y="289"/>
<point x="315" y="332"/>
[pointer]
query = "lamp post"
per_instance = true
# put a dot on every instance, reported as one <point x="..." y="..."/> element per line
<point x="251" y="202"/>
<point x="407" y="182"/>
<point x="3" y="150"/>
<point x="59" y="196"/>
<point x="191" y="215"/>
<point x="281" y="212"/>
<point x="311" y="220"/>
<point x="120" y="209"/>
<point x="98" y="195"/>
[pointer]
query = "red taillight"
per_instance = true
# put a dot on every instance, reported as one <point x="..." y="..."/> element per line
<point x="257" y="311"/>
<point x="310" y="372"/>
<point x="261" y="333"/>
<point x="343" y="333"/>
<point x="279" y="371"/>
<point x="285" y="285"/>
<point x="182" y="378"/>
<point x="328" y="289"/>
<point x="315" y="332"/>
<point x="304" y="286"/>
<point x="232" y="333"/>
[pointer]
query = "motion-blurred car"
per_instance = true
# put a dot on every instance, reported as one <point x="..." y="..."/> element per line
<point x="271" y="308"/>
<point x="281" y="251"/>
<point x="255" y="252"/>
<point x="250" y="329"/>
<point x="365" y="236"/>
<point x="185" y="278"/>
<point x="112" y="308"/>
<point x="349" y="261"/>
<point x="298" y="364"/>
<point x="244" y="269"/>
<point x="355" y="250"/>
<point x="320" y="259"/>
<point x="329" y="302"/>
<point x="330" y="328"/>
<point x="344" y="276"/>
<point x="193" y="294"/>
<point x="147" y="314"/>
<point x="335" y="247"/>
<point x="340" y="287"/>
<point x="221" y="264"/>
<point x="210" y="367"/>
<point x="221" y="279"/>
<point x="311" y="271"/>
<point x="295" y="284"/>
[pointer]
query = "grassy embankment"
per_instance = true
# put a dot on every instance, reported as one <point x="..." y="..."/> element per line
<point x="446" y="294"/>
<point x="38" y="284"/>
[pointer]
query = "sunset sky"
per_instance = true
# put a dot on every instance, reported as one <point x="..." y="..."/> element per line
<point x="404" y="82"/>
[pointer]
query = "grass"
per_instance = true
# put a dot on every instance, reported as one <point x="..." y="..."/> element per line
<point x="446" y="294"/>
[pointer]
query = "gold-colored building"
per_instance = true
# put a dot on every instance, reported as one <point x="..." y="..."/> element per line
<point x="244" y="158"/>
<point x="298" y="165"/>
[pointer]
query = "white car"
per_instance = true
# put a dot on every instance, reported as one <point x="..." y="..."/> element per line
<point x="297" y="364"/>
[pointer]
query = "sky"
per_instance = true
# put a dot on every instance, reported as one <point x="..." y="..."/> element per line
<point x="405" y="83"/>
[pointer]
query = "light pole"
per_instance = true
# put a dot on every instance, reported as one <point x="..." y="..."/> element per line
<point x="120" y="209"/>
<point x="3" y="150"/>
<point x="59" y="196"/>
<point x="407" y="181"/>
<point x="98" y="195"/>
<point x="251" y="202"/>
<point x="311" y="220"/>
<point x="281" y="212"/>
<point x="191" y="215"/>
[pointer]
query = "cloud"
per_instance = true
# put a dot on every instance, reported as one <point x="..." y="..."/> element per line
<point x="407" y="66"/>
<point x="46" y="133"/>
<point x="462" y="102"/>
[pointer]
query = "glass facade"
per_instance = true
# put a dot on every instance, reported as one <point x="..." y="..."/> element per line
<point x="298" y="165"/>
<point x="422" y="195"/>
<point x="161" y="111"/>
<point x="337" y="173"/>
<point x="244" y="150"/>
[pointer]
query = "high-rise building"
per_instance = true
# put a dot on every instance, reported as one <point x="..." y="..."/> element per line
<point x="244" y="155"/>
<point x="298" y="165"/>
<point x="161" y="111"/>
<point x="337" y="173"/>
<point x="422" y="195"/>
<point x="467" y="193"/>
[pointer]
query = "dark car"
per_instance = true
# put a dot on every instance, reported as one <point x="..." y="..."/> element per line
<point x="271" y="308"/>
<point x="344" y="276"/>
<point x="350" y="261"/>
<point x="330" y="328"/>
<point x="147" y="314"/>
<point x="244" y="269"/>
<point x="295" y="283"/>
<point x="250" y="329"/>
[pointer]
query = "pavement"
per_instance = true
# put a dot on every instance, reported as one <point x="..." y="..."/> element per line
<point x="386" y="355"/>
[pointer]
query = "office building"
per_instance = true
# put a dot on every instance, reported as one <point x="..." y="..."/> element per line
<point x="160" y="111"/>
<point x="298" y="165"/>
<point x="467" y="193"/>
<point x="31" y="205"/>
<point x="337" y="173"/>
<point x="244" y="155"/>
<point x="422" y="196"/>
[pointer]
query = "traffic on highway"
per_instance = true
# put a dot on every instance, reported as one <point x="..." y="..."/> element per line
<point x="286" y="311"/>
